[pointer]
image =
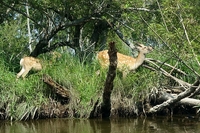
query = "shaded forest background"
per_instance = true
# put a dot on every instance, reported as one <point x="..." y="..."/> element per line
<point x="66" y="35"/>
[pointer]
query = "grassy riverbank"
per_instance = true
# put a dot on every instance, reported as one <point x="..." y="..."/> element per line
<point x="21" y="99"/>
<point x="26" y="99"/>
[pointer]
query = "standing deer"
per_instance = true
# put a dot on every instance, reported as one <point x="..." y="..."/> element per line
<point x="27" y="64"/>
<point x="125" y="63"/>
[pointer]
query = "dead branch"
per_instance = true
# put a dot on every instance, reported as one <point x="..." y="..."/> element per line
<point x="184" y="101"/>
<point x="138" y="9"/>
<point x="197" y="91"/>
<point x="177" y="98"/>
<point x="181" y="82"/>
<point x="166" y="64"/>
<point x="59" y="89"/>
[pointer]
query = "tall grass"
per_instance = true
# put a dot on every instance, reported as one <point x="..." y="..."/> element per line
<point x="21" y="98"/>
<point x="80" y="78"/>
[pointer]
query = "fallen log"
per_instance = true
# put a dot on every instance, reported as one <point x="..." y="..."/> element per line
<point x="185" y="101"/>
<point x="177" y="98"/>
<point x="59" y="89"/>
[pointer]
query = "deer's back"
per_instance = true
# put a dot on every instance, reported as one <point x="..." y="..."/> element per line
<point x="30" y="62"/>
<point x="123" y="60"/>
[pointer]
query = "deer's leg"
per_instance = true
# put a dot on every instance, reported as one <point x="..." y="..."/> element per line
<point x="21" y="72"/>
<point x="125" y="73"/>
<point x="25" y="72"/>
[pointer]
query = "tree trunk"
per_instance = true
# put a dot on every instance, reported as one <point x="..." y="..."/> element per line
<point x="108" y="87"/>
<point x="29" y="30"/>
<point x="97" y="40"/>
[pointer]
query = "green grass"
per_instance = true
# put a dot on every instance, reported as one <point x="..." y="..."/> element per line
<point x="18" y="98"/>
<point x="21" y="98"/>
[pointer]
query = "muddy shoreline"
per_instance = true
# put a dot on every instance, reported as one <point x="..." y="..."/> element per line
<point x="55" y="109"/>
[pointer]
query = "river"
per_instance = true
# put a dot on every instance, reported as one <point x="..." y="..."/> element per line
<point x="174" y="124"/>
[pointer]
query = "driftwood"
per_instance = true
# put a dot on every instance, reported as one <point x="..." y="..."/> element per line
<point x="176" y="98"/>
<point x="59" y="89"/>
<point x="108" y="86"/>
<point x="185" y="101"/>
<point x="184" y="98"/>
<point x="189" y="90"/>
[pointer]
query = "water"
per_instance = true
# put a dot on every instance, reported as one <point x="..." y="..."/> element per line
<point x="121" y="125"/>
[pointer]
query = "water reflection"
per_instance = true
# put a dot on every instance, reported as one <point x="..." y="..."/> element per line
<point x="139" y="125"/>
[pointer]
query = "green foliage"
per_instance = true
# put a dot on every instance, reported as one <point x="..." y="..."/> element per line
<point x="172" y="27"/>
<point x="13" y="41"/>
<point x="12" y="36"/>
<point x="136" y="85"/>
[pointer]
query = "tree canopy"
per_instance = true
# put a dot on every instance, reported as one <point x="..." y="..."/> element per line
<point x="86" y="26"/>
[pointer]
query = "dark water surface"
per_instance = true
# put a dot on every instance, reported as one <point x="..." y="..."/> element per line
<point x="121" y="125"/>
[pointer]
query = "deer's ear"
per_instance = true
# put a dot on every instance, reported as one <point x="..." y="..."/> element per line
<point x="138" y="47"/>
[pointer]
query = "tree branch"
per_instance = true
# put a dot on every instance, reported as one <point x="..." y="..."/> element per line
<point x="138" y="9"/>
<point x="166" y="64"/>
<point x="181" y="82"/>
<point x="185" y="101"/>
<point x="177" y="98"/>
<point x="121" y="36"/>
<point x="174" y="53"/>
<point x="188" y="39"/>
<point x="20" y="12"/>
<point x="59" y="89"/>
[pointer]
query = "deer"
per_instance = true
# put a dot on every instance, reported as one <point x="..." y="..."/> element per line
<point x="27" y="64"/>
<point x="125" y="63"/>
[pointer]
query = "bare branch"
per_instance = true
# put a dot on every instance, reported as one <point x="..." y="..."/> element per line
<point x="181" y="82"/>
<point x="176" y="99"/>
<point x="121" y="36"/>
<point x="162" y="16"/>
<point x="174" y="53"/>
<point x="138" y="9"/>
<point x="185" y="101"/>
<point x="166" y="64"/>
